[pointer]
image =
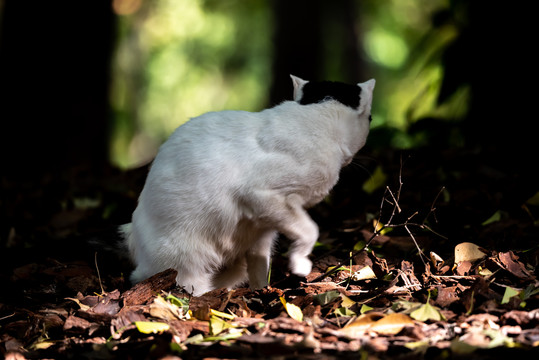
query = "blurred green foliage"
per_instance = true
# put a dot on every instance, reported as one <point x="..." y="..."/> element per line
<point x="176" y="59"/>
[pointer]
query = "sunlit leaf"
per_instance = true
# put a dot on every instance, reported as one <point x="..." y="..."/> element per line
<point x="468" y="251"/>
<point x="365" y="308"/>
<point x="184" y="302"/>
<point x="343" y="311"/>
<point x="217" y="325"/>
<point x="293" y="311"/>
<point x="427" y="312"/>
<point x="222" y="314"/>
<point x="194" y="339"/>
<point x="41" y="345"/>
<point x="485" y="272"/>
<point x="392" y="324"/>
<point x="327" y="297"/>
<point x="360" y="325"/>
<point x="364" y="273"/>
<point x="148" y="327"/>
<point x="508" y="294"/>
<point x="346" y="301"/>
<point x="233" y="334"/>
<point x="417" y="344"/>
<point x="162" y="309"/>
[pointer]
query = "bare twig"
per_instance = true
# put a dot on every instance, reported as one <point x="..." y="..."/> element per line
<point x="393" y="199"/>
<point x="98" y="274"/>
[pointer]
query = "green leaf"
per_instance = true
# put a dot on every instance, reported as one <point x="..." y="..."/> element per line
<point x="182" y="303"/>
<point x="508" y="294"/>
<point x="497" y="216"/>
<point x="365" y="308"/>
<point x="427" y="312"/>
<point x="148" y="327"/>
<point x="529" y="292"/>
<point x="327" y="297"/>
<point x="293" y="311"/>
<point x="342" y="311"/>
<point x="376" y="181"/>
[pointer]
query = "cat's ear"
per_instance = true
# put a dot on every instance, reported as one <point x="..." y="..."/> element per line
<point x="298" y="85"/>
<point x="367" y="88"/>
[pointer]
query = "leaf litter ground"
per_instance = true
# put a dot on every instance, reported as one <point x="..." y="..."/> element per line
<point x="471" y="290"/>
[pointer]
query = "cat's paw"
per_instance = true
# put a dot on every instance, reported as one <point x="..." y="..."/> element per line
<point x="300" y="266"/>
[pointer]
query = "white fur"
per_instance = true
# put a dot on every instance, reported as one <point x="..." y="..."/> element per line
<point x="226" y="183"/>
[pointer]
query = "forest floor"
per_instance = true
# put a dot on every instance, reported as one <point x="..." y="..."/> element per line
<point x="471" y="290"/>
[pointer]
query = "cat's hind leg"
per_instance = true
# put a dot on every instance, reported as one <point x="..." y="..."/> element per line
<point x="196" y="285"/>
<point x="258" y="258"/>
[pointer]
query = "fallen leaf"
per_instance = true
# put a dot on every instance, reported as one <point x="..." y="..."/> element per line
<point x="222" y="314"/>
<point x="392" y="324"/>
<point x="342" y="311"/>
<point x="364" y="273"/>
<point x="162" y="309"/>
<point x="509" y="262"/>
<point x="436" y="260"/>
<point x="293" y="311"/>
<point x="376" y="181"/>
<point x="218" y="325"/>
<point x="427" y="312"/>
<point x="327" y="297"/>
<point x="365" y="308"/>
<point x="359" y="326"/>
<point x="149" y="327"/>
<point x="346" y="301"/>
<point x="467" y="251"/>
<point x="497" y="216"/>
<point x="508" y="294"/>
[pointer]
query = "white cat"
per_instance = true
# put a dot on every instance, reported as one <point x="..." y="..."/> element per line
<point x="226" y="183"/>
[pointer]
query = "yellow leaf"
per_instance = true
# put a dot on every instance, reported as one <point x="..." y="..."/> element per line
<point x="222" y="314"/>
<point x="148" y="327"/>
<point x="346" y="301"/>
<point x="217" y="325"/>
<point x="293" y="311"/>
<point x="467" y="251"/>
<point x="392" y="324"/>
<point x="365" y="308"/>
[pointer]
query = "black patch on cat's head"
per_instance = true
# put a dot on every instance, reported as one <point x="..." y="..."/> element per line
<point x="317" y="92"/>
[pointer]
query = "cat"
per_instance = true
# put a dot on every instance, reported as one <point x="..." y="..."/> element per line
<point x="225" y="184"/>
